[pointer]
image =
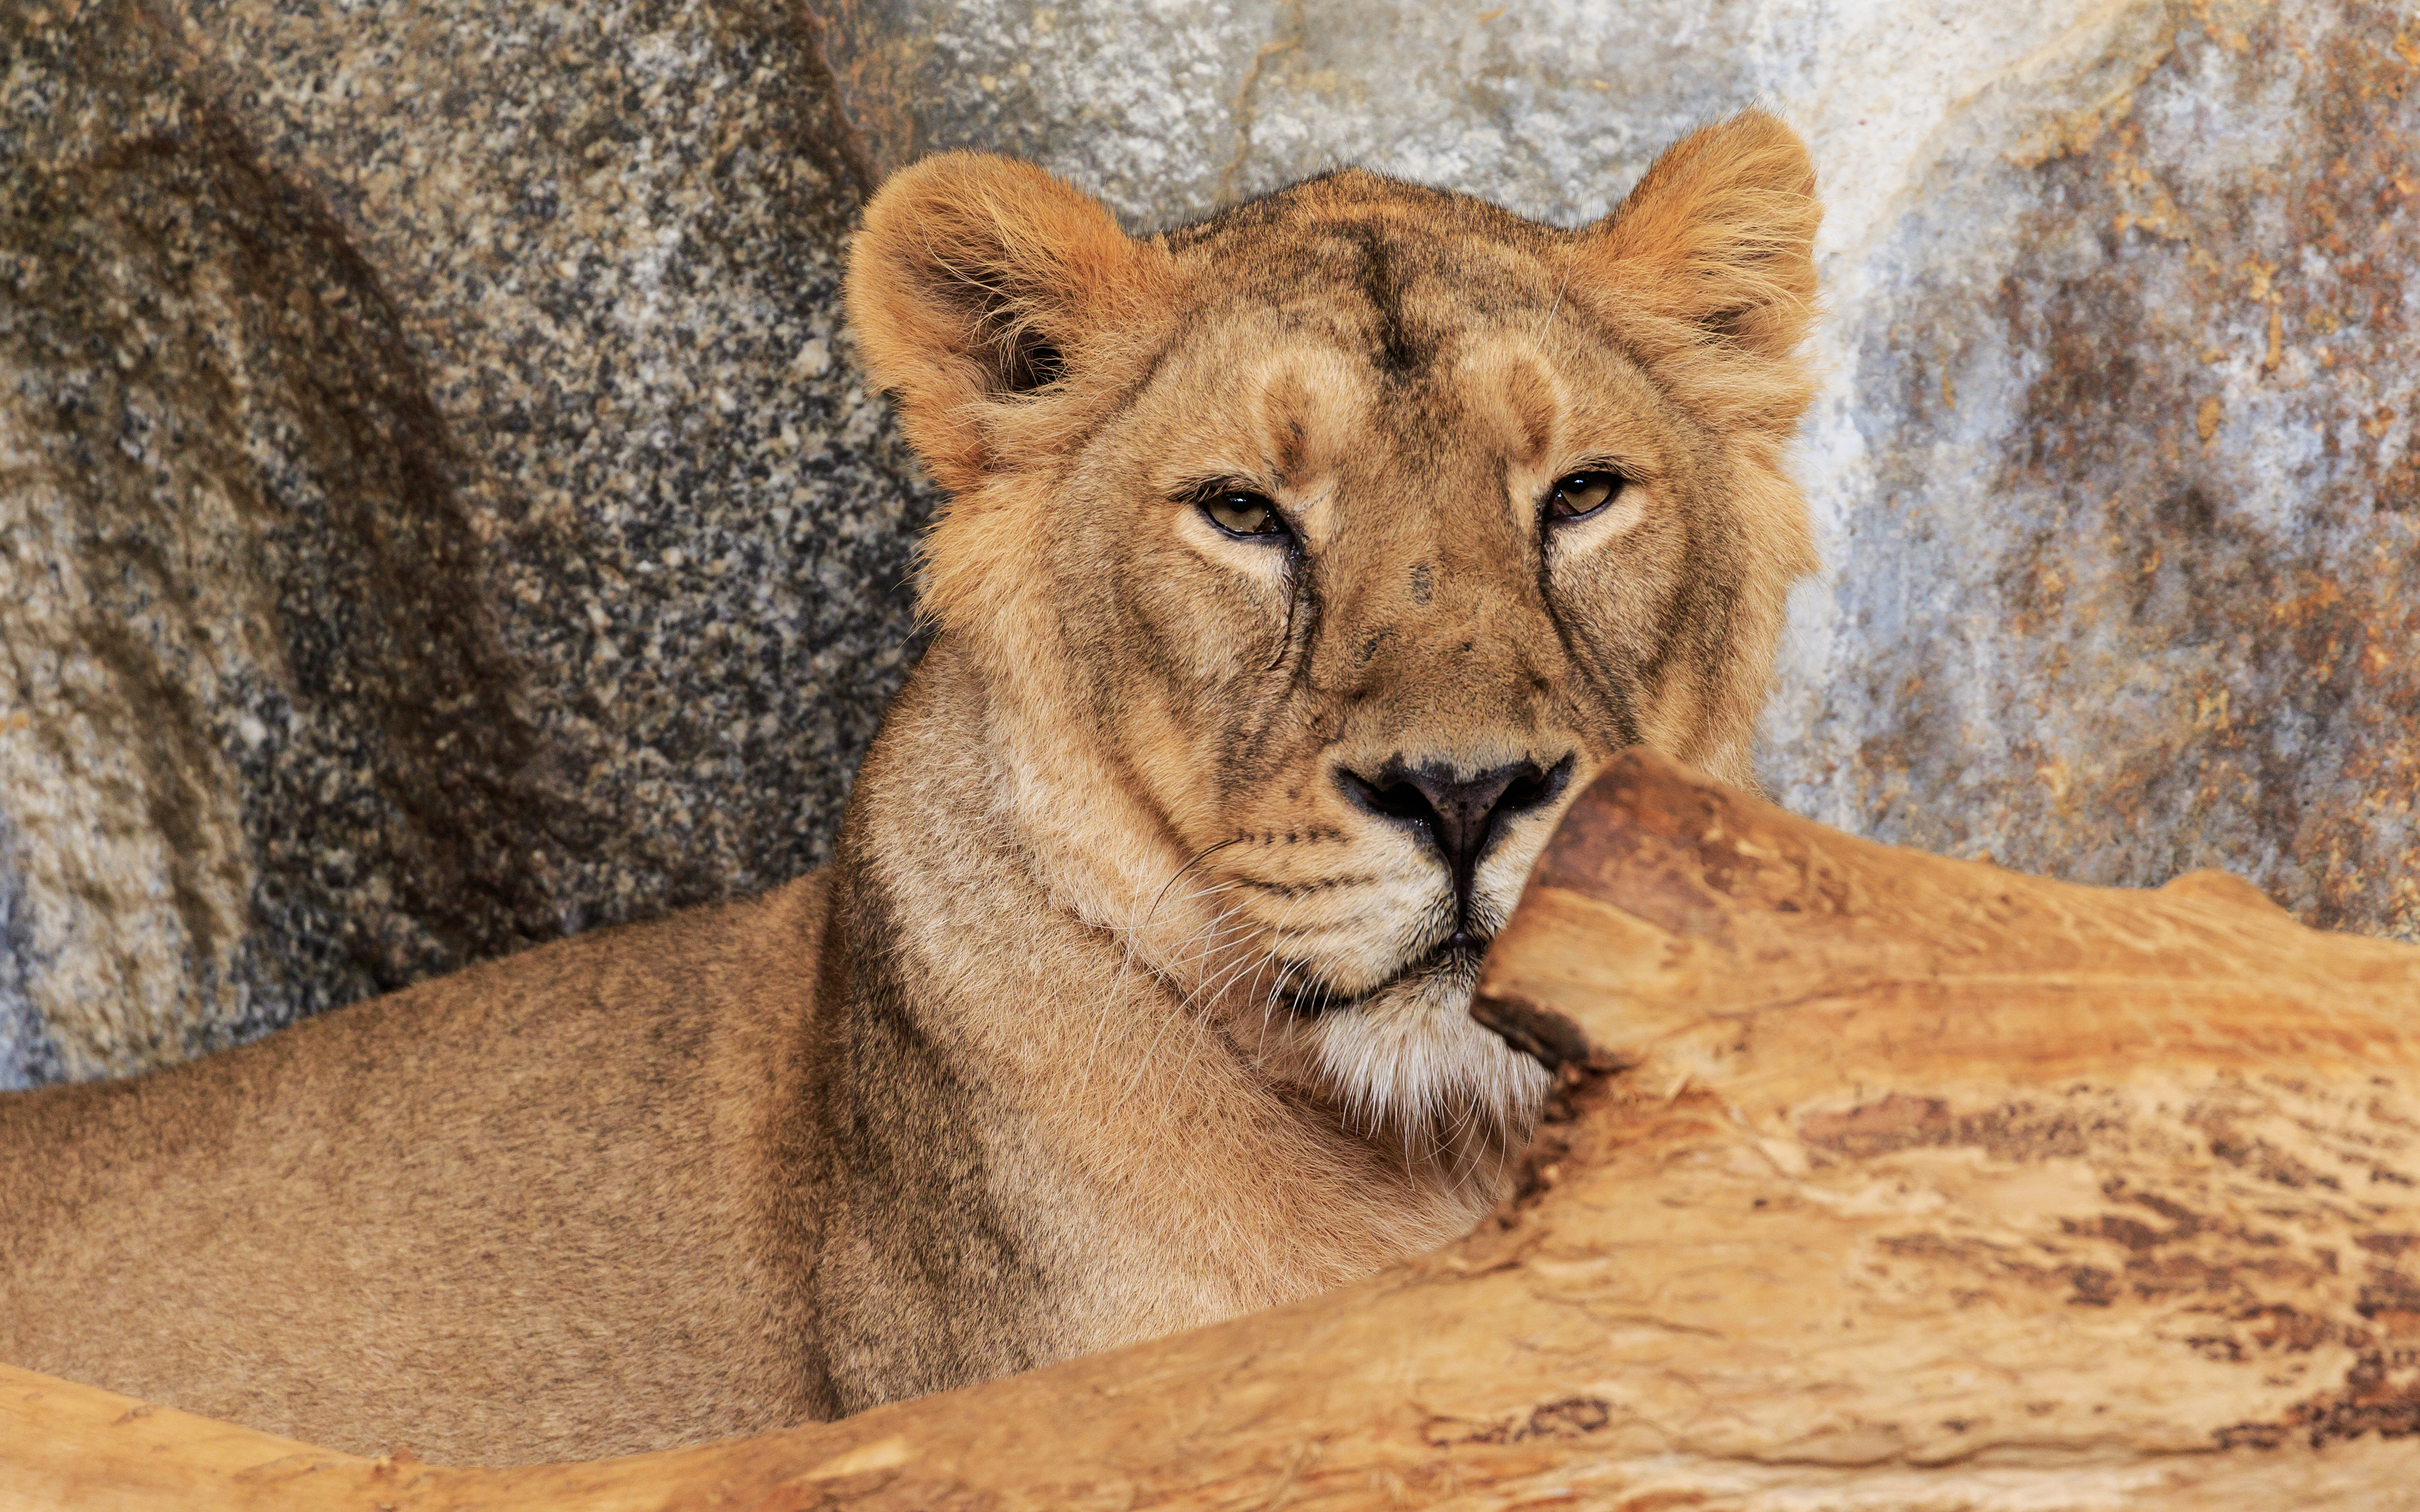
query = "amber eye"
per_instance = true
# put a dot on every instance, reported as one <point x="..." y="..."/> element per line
<point x="1243" y="513"/>
<point x="1578" y="495"/>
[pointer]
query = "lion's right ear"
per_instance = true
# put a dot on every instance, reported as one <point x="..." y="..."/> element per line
<point x="977" y="283"/>
<point x="1712" y="258"/>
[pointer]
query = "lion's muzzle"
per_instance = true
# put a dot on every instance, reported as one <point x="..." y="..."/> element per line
<point x="1459" y="816"/>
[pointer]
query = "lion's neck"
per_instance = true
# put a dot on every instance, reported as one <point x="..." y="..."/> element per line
<point x="1152" y="1179"/>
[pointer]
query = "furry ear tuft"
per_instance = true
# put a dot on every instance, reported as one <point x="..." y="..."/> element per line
<point x="975" y="282"/>
<point x="1714" y="247"/>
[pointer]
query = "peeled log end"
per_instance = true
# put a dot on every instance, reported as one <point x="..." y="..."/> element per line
<point x="1967" y="1168"/>
<point x="1671" y="919"/>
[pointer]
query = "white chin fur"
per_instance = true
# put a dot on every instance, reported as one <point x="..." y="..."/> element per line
<point x="1411" y="1060"/>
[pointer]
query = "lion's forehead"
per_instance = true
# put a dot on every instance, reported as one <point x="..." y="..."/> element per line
<point x="1400" y="328"/>
<point x="1331" y="396"/>
<point x="1403" y="296"/>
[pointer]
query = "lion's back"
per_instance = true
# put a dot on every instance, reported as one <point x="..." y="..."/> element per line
<point x="562" y="1150"/>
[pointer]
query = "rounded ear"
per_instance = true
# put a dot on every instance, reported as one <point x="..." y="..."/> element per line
<point x="1715" y="248"/>
<point x="975" y="281"/>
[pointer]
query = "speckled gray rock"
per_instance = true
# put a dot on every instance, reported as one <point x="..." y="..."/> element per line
<point x="438" y="513"/>
<point x="2115" y="471"/>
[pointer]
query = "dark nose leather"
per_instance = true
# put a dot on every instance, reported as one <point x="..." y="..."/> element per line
<point x="1460" y="816"/>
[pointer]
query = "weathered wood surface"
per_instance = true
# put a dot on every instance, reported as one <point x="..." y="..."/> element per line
<point x="1879" y="1180"/>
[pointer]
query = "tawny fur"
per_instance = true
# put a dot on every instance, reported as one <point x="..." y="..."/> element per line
<point x="1114" y="1014"/>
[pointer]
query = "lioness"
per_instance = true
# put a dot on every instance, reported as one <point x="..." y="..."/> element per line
<point x="1301" y="564"/>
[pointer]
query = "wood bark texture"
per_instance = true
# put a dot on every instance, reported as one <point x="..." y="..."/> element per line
<point x="1875" y="1180"/>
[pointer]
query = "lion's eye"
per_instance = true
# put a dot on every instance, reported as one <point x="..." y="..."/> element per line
<point x="1243" y="513"/>
<point x="1578" y="495"/>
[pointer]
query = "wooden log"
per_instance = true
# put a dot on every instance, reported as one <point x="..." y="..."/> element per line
<point x="1876" y="1179"/>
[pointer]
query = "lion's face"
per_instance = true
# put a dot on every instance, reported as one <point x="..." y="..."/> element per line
<point x="1321" y="553"/>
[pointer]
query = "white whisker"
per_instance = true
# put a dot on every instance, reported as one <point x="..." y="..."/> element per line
<point x="1217" y="924"/>
<point x="1109" y="1002"/>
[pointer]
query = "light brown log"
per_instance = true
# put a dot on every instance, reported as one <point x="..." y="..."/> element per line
<point x="1877" y="1181"/>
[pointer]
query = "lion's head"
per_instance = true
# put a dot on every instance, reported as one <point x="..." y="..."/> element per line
<point x="1318" y="553"/>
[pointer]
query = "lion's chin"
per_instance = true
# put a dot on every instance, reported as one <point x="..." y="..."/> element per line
<point x="1409" y="1059"/>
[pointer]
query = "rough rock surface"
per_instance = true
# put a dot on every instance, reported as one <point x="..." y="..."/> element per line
<point x="440" y="511"/>
<point x="439" y="515"/>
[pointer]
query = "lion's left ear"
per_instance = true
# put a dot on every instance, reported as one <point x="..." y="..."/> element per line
<point x="1713" y="253"/>
<point x="974" y="284"/>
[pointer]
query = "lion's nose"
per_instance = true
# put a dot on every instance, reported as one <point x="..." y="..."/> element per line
<point x="1460" y="816"/>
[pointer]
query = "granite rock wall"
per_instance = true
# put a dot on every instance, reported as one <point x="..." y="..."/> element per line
<point x="440" y="512"/>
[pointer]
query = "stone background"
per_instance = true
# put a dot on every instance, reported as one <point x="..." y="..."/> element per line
<point x="440" y="511"/>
